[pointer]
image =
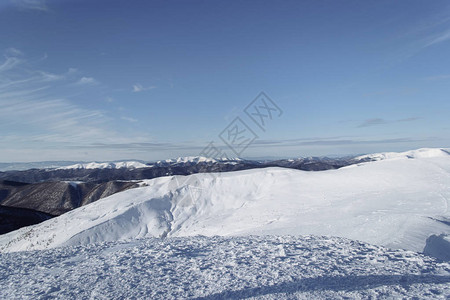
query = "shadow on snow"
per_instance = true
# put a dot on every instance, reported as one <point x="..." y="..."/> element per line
<point x="333" y="283"/>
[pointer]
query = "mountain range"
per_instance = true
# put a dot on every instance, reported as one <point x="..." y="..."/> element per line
<point x="398" y="201"/>
<point x="62" y="186"/>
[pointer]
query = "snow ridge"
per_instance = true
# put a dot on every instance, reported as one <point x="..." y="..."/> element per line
<point x="106" y="165"/>
<point x="419" y="153"/>
<point x="197" y="159"/>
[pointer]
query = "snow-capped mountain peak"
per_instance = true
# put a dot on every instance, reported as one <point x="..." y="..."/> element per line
<point x="196" y="159"/>
<point x="107" y="165"/>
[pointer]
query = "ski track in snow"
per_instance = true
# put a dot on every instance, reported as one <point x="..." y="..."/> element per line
<point x="270" y="267"/>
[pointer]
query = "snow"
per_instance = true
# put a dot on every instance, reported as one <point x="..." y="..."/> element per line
<point x="137" y="164"/>
<point x="270" y="267"/>
<point x="74" y="184"/>
<point x="106" y="165"/>
<point x="284" y="234"/>
<point x="397" y="203"/>
<point x="438" y="246"/>
<point x="197" y="159"/>
<point x="419" y="153"/>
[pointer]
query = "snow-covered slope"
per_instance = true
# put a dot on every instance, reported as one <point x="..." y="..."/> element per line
<point x="107" y="165"/>
<point x="306" y="267"/>
<point x="397" y="202"/>
<point x="419" y="153"/>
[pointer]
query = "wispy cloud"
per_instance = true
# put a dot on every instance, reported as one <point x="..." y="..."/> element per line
<point x="332" y="141"/>
<point x="372" y="122"/>
<point x="139" y="88"/>
<point x="410" y="119"/>
<point x="438" y="38"/>
<point x="132" y="120"/>
<point x="46" y="76"/>
<point x="13" y="52"/>
<point x="36" y="113"/>
<point x="423" y="33"/>
<point x="28" y="77"/>
<point x="32" y="112"/>
<point x="87" y="81"/>
<point x="39" y="5"/>
<point x="380" y="121"/>
<point x="8" y="64"/>
<point x="436" y="29"/>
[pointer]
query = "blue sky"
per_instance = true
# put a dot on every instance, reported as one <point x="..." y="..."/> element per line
<point x="110" y="80"/>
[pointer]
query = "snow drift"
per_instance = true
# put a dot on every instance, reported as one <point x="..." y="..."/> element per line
<point x="396" y="202"/>
<point x="438" y="246"/>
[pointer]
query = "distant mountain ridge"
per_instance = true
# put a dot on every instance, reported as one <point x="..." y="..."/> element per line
<point x="107" y="165"/>
<point x="136" y="164"/>
<point x="103" y="172"/>
<point x="21" y="166"/>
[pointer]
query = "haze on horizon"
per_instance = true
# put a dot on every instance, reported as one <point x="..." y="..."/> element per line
<point x="109" y="80"/>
